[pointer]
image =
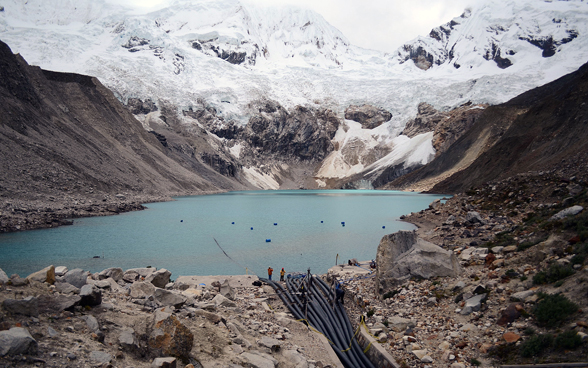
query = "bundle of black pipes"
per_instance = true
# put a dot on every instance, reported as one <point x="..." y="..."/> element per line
<point x="311" y="297"/>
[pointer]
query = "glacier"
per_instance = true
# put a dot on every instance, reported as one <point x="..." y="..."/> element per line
<point x="230" y="54"/>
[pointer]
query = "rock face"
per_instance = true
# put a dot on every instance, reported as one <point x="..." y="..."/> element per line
<point x="171" y="338"/>
<point x="403" y="255"/>
<point x="45" y="275"/>
<point x="368" y="116"/>
<point x="301" y="133"/>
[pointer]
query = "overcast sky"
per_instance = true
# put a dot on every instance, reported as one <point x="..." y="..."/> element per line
<point x="373" y="24"/>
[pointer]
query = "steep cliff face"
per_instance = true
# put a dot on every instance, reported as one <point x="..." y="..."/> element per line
<point x="65" y="134"/>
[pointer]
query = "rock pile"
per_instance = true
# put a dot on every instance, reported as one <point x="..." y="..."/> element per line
<point x="138" y="317"/>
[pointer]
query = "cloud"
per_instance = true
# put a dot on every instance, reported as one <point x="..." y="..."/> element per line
<point x="373" y="24"/>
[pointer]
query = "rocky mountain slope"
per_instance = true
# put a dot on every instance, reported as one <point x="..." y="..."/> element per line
<point x="69" y="149"/>
<point x="538" y="130"/>
<point x="227" y="57"/>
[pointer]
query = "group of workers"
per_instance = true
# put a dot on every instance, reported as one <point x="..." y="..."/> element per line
<point x="270" y="271"/>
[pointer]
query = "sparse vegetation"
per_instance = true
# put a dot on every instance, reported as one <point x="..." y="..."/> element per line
<point x="552" y="310"/>
<point x="536" y="344"/>
<point x="553" y="274"/>
<point x="568" y="340"/>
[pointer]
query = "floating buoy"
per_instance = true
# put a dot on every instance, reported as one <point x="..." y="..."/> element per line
<point x="322" y="222"/>
<point x="181" y="220"/>
<point x="383" y="227"/>
<point x="233" y="223"/>
<point x="343" y="223"/>
<point x="251" y="228"/>
<point x="268" y="240"/>
<point x="275" y="224"/>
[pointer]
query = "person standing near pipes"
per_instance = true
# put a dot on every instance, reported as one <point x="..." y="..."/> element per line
<point x="282" y="273"/>
<point x="270" y="270"/>
<point x="340" y="293"/>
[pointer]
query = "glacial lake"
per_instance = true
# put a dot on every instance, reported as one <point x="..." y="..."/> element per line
<point x="296" y="229"/>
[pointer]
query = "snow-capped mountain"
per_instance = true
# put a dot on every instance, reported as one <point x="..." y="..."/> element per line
<point x="225" y="56"/>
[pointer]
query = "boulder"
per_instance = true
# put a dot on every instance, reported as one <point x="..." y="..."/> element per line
<point x="17" y="341"/>
<point x="113" y="272"/>
<point x="509" y="315"/>
<point x="221" y="301"/>
<point x="474" y="217"/>
<point x="522" y="295"/>
<point x="128" y="340"/>
<point x="227" y="291"/>
<point x="57" y="303"/>
<point x="272" y="344"/>
<point x="90" y="295"/>
<point x="47" y="274"/>
<point x="570" y="211"/>
<point x="60" y="270"/>
<point x="399" y="324"/>
<point x="66" y="288"/>
<point x="159" y="278"/>
<point x="16" y="280"/>
<point x="295" y="359"/>
<point x="131" y="276"/>
<point x="257" y="361"/>
<point x="3" y="277"/>
<point x="171" y="338"/>
<point x="28" y="306"/>
<point x="169" y="298"/>
<point x="473" y="304"/>
<point x="91" y="322"/>
<point x="77" y="277"/>
<point x="141" y="290"/>
<point x="142" y="272"/>
<point x="100" y="357"/>
<point x="403" y="255"/>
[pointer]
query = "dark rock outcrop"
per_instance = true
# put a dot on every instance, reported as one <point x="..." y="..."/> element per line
<point x="368" y="116"/>
<point x="138" y="106"/>
<point x="302" y="133"/>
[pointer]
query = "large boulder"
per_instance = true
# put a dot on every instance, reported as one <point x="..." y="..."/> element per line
<point x="57" y="303"/>
<point x="403" y="255"/>
<point x="159" y="278"/>
<point x="77" y="277"/>
<point x="367" y="115"/>
<point x="91" y="295"/>
<point x="171" y="338"/>
<point x="115" y="273"/>
<point x="169" y="298"/>
<point x="16" y="341"/>
<point x="28" y="306"/>
<point x="227" y="291"/>
<point x="141" y="290"/>
<point x="47" y="274"/>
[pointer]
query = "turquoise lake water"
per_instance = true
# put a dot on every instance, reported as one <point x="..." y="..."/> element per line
<point x="179" y="235"/>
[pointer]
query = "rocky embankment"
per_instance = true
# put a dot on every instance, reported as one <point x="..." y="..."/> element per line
<point x="522" y="291"/>
<point x="140" y="318"/>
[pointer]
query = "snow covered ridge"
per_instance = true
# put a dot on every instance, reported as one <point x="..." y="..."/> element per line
<point x="230" y="54"/>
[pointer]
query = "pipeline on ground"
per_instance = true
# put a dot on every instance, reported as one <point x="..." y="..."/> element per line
<point x="313" y="302"/>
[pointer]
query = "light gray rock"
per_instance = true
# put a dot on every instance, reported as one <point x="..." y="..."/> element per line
<point x="169" y="298"/>
<point x="570" y="211"/>
<point x="60" y="270"/>
<point x="100" y="357"/>
<point x="295" y="359"/>
<point x="400" y="324"/>
<point x="473" y="304"/>
<point x="268" y="342"/>
<point x="66" y="288"/>
<point x="16" y="280"/>
<point x="47" y="274"/>
<point x="460" y="285"/>
<point x="227" y="291"/>
<point x="91" y="322"/>
<point x="127" y="339"/>
<point x="3" y="277"/>
<point x="57" y="303"/>
<point x="497" y="249"/>
<point x="113" y="272"/>
<point x="221" y="301"/>
<point x="16" y="341"/>
<point x="90" y="295"/>
<point x="474" y="217"/>
<point x="28" y="306"/>
<point x="77" y="277"/>
<point x="522" y="295"/>
<point x="102" y="284"/>
<point x="143" y="272"/>
<point x="131" y="276"/>
<point x="142" y="289"/>
<point x="166" y="362"/>
<point x="159" y="278"/>
<point x="257" y="361"/>
<point x="403" y="255"/>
